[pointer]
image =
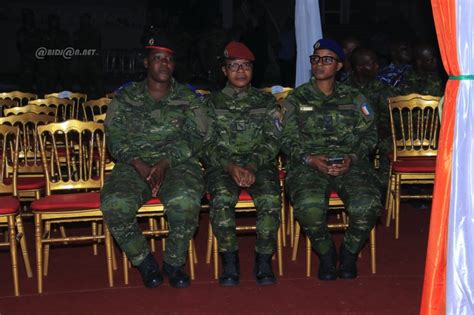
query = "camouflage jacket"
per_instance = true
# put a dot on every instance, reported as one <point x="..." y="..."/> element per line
<point x="313" y="123"/>
<point x="377" y="95"/>
<point x="426" y="83"/>
<point x="246" y="128"/>
<point x="173" y="128"/>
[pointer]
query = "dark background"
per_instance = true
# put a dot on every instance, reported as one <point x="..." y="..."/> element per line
<point x="123" y="26"/>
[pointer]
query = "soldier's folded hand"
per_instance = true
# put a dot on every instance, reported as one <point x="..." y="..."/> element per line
<point x="318" y="162"/>
<point x="340" y="169"/>
<point x="240" y="175"/>
<point x="156" y="175"/>
<point x="141" y="167"/>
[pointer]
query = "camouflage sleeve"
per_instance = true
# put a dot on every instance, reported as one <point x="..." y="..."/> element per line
<point x="195" y="130"/>
<point x="365" y="130"/>
<point x="121" y="143"/>
<point x="215" y="153"/>
<point x="266" y="152"/>
<point x="290" y="139"/>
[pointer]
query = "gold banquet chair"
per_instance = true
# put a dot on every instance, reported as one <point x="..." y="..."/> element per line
<point x="31" y="181"/>
<point x="10" y="217"/>
<point x="7" y="103"/>
<point x="279" y="92"/>
<point x="65" y="108"/>
<point x="96" y="107"/>
<point x="73" y="179"/>
<point x="22" y="97"/>
<point x="77" y="97"/>
<point x="51" y="111"/>
<point x="244" y="205"/>
<point x="415" y="125"/>
<point x="335" y="206"/>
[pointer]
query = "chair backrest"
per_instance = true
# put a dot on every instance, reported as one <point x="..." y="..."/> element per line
<point x="279" y="92"/>
<point x="78" y="99"/>
<point x="95" y="107"/>
<point x="100" y="118"/>
<point x="73" y="154"/>
<point x="22" y="97"/>
<point x="7" y="103"/>
<point x="9" y="137"/>
<point x="110" y="95"/>
<point x="29" y="155"/>
<point x="415" y="125"/>
<point x="65" y="108"/>
<point x="36" y="109"/>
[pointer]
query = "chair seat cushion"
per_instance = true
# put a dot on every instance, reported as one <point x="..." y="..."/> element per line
<point x="9" y="204"/>
<point x="413" y="165"/>
<point x="77" y="201"/>
<point x="282" y="174"/>
<point x="154" y="201"/>
<point x="333" y="194"/>
<point x="28" y="183"/>
<point x="31" y="183"/>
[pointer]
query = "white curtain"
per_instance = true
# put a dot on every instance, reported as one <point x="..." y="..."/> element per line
<point x="460" y="254"/>
<point x="308" y="31"/>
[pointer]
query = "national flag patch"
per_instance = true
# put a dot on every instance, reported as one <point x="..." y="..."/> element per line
<point x="365" y="109"/>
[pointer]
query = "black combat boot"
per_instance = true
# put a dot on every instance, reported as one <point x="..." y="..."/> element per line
<point x="178" y="278"/>
<point x="263" y="269"/>
<point x="347" y="264"/>
<point x="327" y="264"/>
<point x="230" y="269"/>
<point x="150" y="272"/>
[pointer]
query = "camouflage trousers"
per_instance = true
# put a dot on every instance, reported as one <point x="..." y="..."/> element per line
<point x="384" y="146"/>
<point x="225" y="194"/>
<point x="309" y="192"/>
<point x="124" y="192"/>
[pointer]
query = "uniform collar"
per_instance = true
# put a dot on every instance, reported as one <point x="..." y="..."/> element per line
<point x="318" y="93"/>
<point x="144" y="90"/>
<point x="230" y="91"/>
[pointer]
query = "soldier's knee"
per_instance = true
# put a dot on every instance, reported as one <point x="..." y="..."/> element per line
<point x="115" y="205"/>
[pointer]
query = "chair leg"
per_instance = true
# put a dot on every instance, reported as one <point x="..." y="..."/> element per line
<point x="296" y="240"/>
<point x="291" y="224"/>
<point x="373" y="258"/>
<point x="216" y="258"/>
<point x="283" y="215"/>
<point x="125" y="268"/>
<point x="109" y="256"/>
<point x="13" y="253"/>
<point x="308" y="257"/>
<point x="390" y="199"/>
<point x="279" y="251"/>
<point x="163" y="227"/>
<point x="152" y="224"/>
<point x="195" y="260"/>
<point x="397" y="205"/>
<point x="63" y="232"/>
<point x="47" y="230"/>
<point x="94" y="233"/>
<point x="191" y="259"/>
<point x="39" y="252"/>
<point x="209" y="244"/>
<point x="23" y="246"/>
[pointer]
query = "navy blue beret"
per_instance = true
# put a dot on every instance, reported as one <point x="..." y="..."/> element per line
<point x="331" y="45"/>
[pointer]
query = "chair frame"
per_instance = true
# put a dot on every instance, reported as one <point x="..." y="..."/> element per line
<point x="20" y="96"/>
<point x="44" y="218"/>
<point x="13" y="221"/>
<point x="417" y="139"/>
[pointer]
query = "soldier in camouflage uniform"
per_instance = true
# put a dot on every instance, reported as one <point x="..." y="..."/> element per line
<point x="365" y="68"/>
<point x="328" y="133"/>
<point x="424" y="78"/>
<point x="245" y="144"/>
<point x="154" y="130"/>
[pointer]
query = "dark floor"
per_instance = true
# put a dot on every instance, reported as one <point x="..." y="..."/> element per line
<point x="77" y="281"/>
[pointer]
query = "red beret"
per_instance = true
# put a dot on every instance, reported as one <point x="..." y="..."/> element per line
<point x="237" y="50"/>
